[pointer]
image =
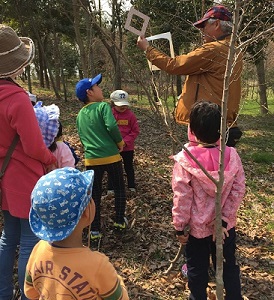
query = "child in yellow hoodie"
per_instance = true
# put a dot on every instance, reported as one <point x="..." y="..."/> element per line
<point x="60" y="267"/>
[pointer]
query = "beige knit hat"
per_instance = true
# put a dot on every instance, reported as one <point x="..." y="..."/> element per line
<point x="15" y="52"/>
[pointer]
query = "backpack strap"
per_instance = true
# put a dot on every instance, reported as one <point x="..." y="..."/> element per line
<point x="8" y="155"/>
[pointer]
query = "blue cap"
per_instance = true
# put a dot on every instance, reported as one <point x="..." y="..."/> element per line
<point x="85" y="84"/>
<point x="58" y="201"/>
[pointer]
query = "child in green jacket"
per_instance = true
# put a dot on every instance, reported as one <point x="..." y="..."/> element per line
<point x="102" y="141"/>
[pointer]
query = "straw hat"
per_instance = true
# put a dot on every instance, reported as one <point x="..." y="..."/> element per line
<point x="15" y="52"/>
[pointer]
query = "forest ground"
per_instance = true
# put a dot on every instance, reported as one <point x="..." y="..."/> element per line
<point x="142" y="254"/>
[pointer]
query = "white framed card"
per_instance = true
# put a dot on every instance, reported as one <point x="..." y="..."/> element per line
<point x="134" y="12"/>
<point x="166" y="35"/>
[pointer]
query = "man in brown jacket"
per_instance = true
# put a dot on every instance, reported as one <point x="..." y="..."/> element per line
<point x="205" y="69"/>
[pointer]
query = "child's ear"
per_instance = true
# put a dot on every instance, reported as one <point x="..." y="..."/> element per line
<point x="86" y="212"/>
<point x="92" y="210"/>
<point x="90" y="92"/>
<point x="85" y="219"/>
<point x="89" y="212"/>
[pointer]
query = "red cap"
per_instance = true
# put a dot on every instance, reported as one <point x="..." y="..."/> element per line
<point x="216" y="12"/>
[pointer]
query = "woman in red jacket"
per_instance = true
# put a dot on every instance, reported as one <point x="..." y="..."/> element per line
<point x="29" y="160"/>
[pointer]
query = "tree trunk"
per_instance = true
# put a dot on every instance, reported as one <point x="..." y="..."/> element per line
<point x="116" y="19"/>
<point x="218" y="224"/>
<point x="83" y="56"/>
<point x="47" y="68"/>
<point x="117" y="74"/>
<point x="63" y="76"/>
<point x="259" y="63"/>
<point x="29" y="78"/>
<point x="41" y="67"/>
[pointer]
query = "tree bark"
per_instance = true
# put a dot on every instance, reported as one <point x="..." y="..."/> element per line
<point x="40" y="70"/>
<point x="218" y="205"/>
<point x="259" y="63"/>
<point x="76" y="25"/>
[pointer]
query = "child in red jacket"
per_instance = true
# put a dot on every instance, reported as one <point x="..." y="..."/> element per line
<point x="128" y="126"/>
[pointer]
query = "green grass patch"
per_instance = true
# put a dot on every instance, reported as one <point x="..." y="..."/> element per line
<point x="270" y="227"/>
<point x="263" y="157"/>
<point x="251" y="106"/>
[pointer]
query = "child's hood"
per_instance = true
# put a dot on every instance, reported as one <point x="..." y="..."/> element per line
<point x="231" y="168"/>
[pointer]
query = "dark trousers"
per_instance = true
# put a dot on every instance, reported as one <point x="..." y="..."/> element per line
<point x="115" y="172"/>
<point x="233" y="136"/>
<point x="128" y="166"/>
<point x="129" y="169"/>
<point x="198" y="253"/>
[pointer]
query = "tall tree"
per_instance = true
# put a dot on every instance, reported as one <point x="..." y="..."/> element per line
<point x="257" y="20"/>
<point x="43" y="21"/>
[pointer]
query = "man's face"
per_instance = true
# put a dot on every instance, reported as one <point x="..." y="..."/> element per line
<point x="210" y="30"/>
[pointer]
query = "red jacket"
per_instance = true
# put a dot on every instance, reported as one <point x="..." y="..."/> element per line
<point x="128" y="126"/>
<point x="30" y="155"/>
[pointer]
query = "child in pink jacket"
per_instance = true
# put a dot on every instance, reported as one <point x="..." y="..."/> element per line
<point x="51" y="128"/>
<point x="194" y="202"/>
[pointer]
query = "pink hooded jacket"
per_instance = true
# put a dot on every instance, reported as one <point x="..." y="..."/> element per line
<point x="63" y="155"/>
<point x="30" y="155"/>
<point x="194" y="192"/>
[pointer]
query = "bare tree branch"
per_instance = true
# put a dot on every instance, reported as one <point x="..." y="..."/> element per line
<point x="255" y="38"/>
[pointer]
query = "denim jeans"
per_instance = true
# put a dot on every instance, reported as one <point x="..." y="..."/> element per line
<point x="16" y="232"/>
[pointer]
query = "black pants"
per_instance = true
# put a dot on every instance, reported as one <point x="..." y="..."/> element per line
<point x="129" y="169"/>
<point x="233" y="137"/>
<point x="198" y="253"/>
<point x="115" y="172"/>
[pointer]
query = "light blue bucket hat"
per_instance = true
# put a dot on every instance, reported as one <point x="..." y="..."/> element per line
<point x="58" y="201"/>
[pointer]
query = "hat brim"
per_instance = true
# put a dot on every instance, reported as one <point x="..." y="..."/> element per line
<point x="49" y="234"/>
<point x="200" y="23"/>
<point x="121" y="103"/>
<point x="96" y="80"/>
<point x="58" y="234"/>
<point x="18" y="63"/>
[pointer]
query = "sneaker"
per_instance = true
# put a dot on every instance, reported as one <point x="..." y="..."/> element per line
<point x="95" y="235"/>
<point x="184" y="270"/>
<point x="132" y="190"/>
<point x="121" y="226"/>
